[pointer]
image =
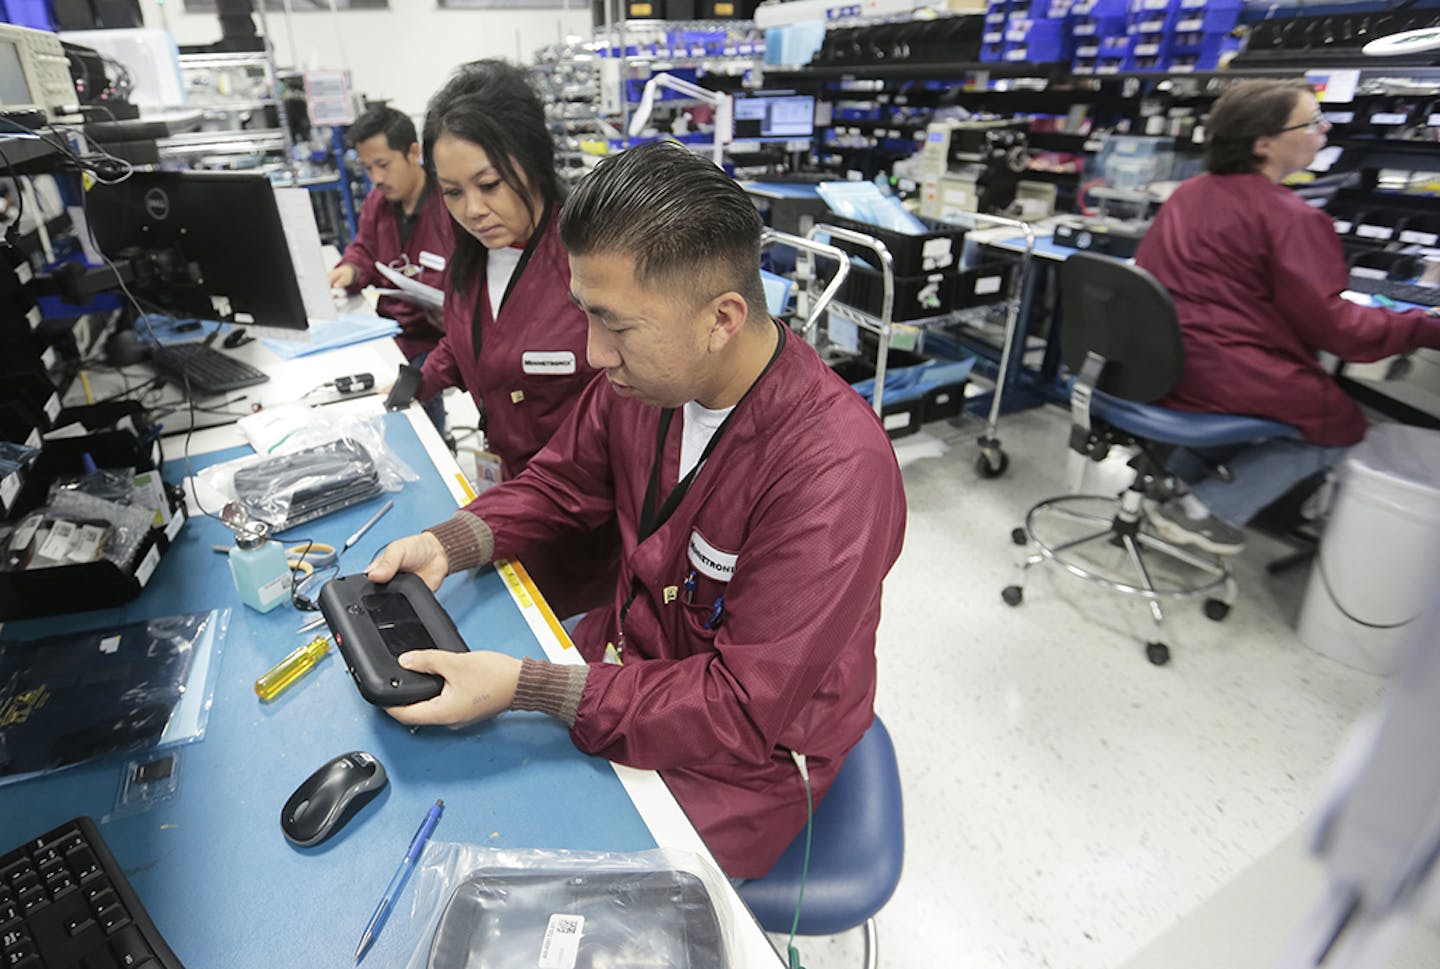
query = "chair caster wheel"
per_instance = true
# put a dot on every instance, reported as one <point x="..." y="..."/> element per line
<point x="1157" y="653"/>
<point x="1216" y="609"/>
<point x="991" y="463"/>
<point x="1012" y="594"/>
<point x="1019" y="536"/>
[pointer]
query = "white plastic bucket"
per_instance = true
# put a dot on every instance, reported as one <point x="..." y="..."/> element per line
<point x="1378" y="564"/>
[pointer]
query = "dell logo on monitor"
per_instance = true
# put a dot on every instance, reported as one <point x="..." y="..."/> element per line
<point x="157" y="204"/>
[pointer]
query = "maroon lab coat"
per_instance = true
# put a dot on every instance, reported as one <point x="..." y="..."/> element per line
<point x="377" y="239"/>
<point x="1256" y="275"/>
<point x="802" y="507"/>
<point x="531" y="366"/>
<point x="528" y="375"/>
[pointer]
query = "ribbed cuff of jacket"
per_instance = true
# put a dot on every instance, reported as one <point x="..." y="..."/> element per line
<point x="550" y="688"/>
<point x="467" y="540"/>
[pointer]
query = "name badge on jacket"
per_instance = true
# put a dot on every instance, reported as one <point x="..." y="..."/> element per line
<point x="548" y="361"/>
<point x="709" y="561"/>
<point x="431" y="261"/>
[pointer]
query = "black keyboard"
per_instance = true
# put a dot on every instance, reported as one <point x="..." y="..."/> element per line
<point x="64" y="902"/>
<point x="208" y="370"/>
<point x="1405" y="292"/>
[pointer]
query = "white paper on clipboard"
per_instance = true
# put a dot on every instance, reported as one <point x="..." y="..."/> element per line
<point x="411" y="290"/>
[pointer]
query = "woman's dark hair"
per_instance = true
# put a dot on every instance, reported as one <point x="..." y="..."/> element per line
<point x="1249" y="110"/>
<point x="689" y="227"/>
<point x="490" y="103"/>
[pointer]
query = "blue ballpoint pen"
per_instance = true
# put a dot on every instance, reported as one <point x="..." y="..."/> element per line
<point x="392" y="892"/>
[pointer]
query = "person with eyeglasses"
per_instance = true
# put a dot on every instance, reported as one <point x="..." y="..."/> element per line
<point x="402" y="225"/>
<point x="1256" y="274"/>
<point x="513" y="339"/>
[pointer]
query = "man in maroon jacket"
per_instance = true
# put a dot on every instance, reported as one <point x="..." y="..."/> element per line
<point x="403" y="225"/>
<point x="1256" y="275"/>
<point x="759" y="507"/>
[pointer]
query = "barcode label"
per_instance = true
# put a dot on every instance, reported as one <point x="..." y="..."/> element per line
<point x="147" y="565"/>
<point x="561" y="945"/>
<point x="1367" y="231"/>
<point x="9" y="488"/>
<point x="1419" y="238"/>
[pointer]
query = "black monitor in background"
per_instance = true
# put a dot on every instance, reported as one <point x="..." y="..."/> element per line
<point x="205" y="244"/>
<point x="777" y="117"/>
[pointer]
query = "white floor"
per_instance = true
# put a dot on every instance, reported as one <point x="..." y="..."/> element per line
<point x="1065" y="800"/>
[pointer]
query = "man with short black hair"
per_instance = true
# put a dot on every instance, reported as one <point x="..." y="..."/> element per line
<point x="403" y="225"/>
<point x="759" y="506"/>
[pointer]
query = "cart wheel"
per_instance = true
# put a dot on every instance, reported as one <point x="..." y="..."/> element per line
<point x="991" y="464"/>
<point x="1019" y="536"/>
<point x="1012" y="594"/>
<point x="1157" y="653"/>
<point x="1216" y="609"/>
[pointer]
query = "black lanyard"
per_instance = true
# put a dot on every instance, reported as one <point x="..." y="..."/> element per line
<point x="651" y="519"/>
<point x="481" y="293"/>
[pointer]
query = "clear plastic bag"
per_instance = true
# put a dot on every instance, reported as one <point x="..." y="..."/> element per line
<point x="108" y="484"/>
<point x="486" y="908"/>
<point x="73" y="697"/>
<point x="319" y="464"/>
<point x="73" y="529"/>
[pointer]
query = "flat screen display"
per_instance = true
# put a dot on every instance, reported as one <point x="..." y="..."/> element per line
<point x="14" y="91"/>
<point x="789" y="117"/>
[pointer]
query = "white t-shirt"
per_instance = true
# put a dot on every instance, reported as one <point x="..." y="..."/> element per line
<point x="700" y="424"/>
<point x="498" y="270"/>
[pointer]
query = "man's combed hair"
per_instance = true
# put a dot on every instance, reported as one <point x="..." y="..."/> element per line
<point x="490" y="103"/>
<point x="688" y="225"/>
<point x="1249" y="110"/>
<point x="398" y="129"/>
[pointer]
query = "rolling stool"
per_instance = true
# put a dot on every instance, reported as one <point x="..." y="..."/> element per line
<point x="856" y="853"/>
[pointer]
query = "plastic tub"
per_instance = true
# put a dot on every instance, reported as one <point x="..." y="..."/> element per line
<point x="1375" y="570"/>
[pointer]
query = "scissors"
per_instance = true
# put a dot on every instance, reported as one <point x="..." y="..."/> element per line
<point x="306" y="557"/>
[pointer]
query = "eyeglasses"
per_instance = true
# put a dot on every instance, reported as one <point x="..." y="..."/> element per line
<point x="1314" y="124"/>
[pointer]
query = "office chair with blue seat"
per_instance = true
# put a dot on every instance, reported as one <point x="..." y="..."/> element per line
<point x="1121" y="338"/>
<point x="856" y="853"/>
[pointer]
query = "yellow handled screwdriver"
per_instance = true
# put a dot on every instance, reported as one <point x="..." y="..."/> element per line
<point x="276" y="679"/>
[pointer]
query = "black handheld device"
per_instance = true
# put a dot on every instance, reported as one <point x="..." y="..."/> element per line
<point x="407" y="382"/>
<point x="373" y="624"/>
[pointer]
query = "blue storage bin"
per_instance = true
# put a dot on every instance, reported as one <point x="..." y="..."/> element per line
<point x="992" y="52"/>
<point x="1208" y="20"/>
<point x="1100" y="8"/>
<point x="1116" y="46"/>
<point x="1208" y="56"/>
<point x="1038" y="9"/>
<point x="1096" y="27"/>
<point x="29" y="13"/>
<point x="1039" y="42"/>
<point x="1083" y="66"/>
<point x="1155" y="58"/>
<point x="1149" y="46"/>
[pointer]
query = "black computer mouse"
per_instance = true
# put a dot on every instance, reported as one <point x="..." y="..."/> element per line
<point x="330" y="797"/>
<point x="236" y="338"/>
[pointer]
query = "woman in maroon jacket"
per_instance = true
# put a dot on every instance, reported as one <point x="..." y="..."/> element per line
<point x="513" y="338"/>
<point x="1256" y="274"/>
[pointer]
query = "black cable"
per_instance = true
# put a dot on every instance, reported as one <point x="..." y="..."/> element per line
<point x="14" y="227"/>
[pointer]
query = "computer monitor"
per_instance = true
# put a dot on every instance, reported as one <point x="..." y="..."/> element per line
<point x="774" y="117"/>
<point x="207" y="244"/>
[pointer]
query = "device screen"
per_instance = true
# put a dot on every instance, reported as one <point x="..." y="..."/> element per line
<point x="13" y="88"/>
<point x="400" y="628"/>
